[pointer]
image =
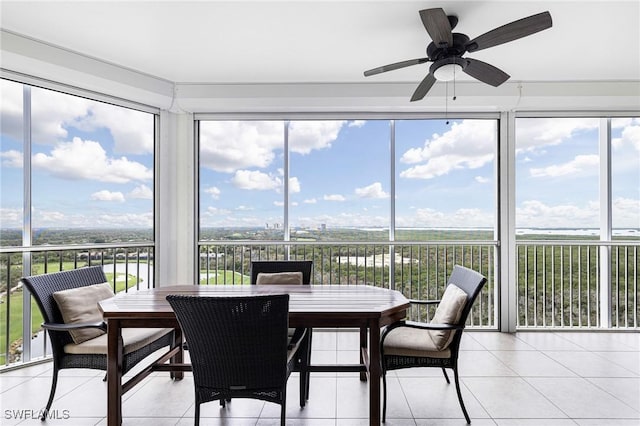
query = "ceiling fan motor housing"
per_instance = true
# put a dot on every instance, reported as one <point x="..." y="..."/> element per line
<point x="458" y="49"/>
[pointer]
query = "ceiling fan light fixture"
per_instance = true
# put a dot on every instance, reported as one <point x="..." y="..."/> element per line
<point x="447" y="72"/>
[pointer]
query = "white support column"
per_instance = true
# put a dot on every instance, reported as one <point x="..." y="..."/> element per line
<point x="605" y="222"/>
<point x="175" y="201"/>
<point x="507" y="280"/>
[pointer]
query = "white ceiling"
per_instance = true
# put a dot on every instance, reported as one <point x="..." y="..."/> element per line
<point x="328" y="41"/>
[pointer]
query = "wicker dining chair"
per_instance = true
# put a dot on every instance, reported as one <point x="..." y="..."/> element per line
<point x="81" y="340"/>
<point x="437" y="343"/>
<point x="290" y="272"/>
<point x="238" y="347"/>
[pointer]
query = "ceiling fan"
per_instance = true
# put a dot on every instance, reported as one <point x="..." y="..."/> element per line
<point x="447" y="48"/>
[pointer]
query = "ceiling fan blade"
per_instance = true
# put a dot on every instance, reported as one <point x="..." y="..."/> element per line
<point x="395" y="66"/>
<point x="438" y="26"/>
<point x="511" y="31"/>
<point x="484" y="72"/>
<point x="423" y="87"/>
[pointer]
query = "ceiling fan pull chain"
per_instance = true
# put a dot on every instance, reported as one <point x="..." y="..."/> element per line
<point x="454" y="83"/>
<point x="446" y="101"/>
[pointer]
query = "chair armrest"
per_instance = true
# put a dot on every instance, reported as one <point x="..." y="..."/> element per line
<point x="423" y="302"/>
<point x="297" y="337"/>
<point x="430" y="326"/>
<point x="66" y="327"/>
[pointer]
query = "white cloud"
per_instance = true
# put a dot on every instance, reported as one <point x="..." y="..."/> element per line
<point x="372" y="191"/>
<point x="357" y="123"/>
<point x="215" y="211"/>
<point x="355" y="219"/>
<point x="630" y="135"/>
<point x="227" y="146"/>
<point x="10" y="218"/>
<point x="581" y="165"/>
<point x="536" y="214"/>
<point x="310" y="201"/>
<point x="482" y="179"/>
<point x="141" y="192"/>
<point x="278" y="203"/>
<point x="54" y="113"/>
<point x="534" y="133"/>
<point x="11" y="109"/>
<point x="50" y="218"/>
<point x="427" y="217"/>
<point x="53" y="218"/>
<point x="106" y="195"/>
<point x="88" y="160"/>
<point x="468" y="144"/>
<point x="214" y="192"/>
<point x="134" y="220"/>
<point x="306" y="136"/>
<point x="132" y="131"/>
<point x="294" y="185"/>
<point x="12" y="158"/>
<point x="242" y="208"/>
<point x="256" y="180"/>
<point x="334" y="197"/>
<point x="626" y="213"/>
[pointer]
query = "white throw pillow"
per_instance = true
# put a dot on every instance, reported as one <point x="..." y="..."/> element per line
<point x="448" y="312"/>
<point x="80" y="305"/>
<point x="279" y="278"/>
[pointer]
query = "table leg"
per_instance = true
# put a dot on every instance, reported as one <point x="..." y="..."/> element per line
<point x="179" y="357"/>
<point x="374" y="373"/>
<point x="114" y="373"/>
<point x="363" y="346"/>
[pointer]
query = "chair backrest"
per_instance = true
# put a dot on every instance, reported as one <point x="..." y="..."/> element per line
<point x="274" y="266"/>
<point x="471" y="282"/>
<point x="235" y="343"/>
<point x="43" y="286"/>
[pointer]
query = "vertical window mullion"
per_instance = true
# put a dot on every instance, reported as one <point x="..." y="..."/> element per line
<point x="287" y="232"/>
<point x="605" y="222"/>
<point x="26" y="218"/>
<point x="392" y="203"/>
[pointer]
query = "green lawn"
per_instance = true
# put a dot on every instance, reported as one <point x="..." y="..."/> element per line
<point x="224" y="277"/>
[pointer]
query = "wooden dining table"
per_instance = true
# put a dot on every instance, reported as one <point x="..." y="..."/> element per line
<point x="361" y="307"/>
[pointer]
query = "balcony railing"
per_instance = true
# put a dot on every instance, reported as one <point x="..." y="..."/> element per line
<point x="578" y="284"/>
<point x="419" y="269"/>
<point x="127" y="267"/>
<point x="560" y="284"/>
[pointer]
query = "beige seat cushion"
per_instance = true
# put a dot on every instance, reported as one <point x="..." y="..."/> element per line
<point x="279" y="278"/>
<point x="448" y="312"/>
<point x="132" y="339"/>
<point x="410" y="341"/>
<point x="80" y="305"/>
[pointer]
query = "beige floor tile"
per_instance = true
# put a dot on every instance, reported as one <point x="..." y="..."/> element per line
<point x="433" y="398"/>
<point x="521" y="379"/>
<point x="579" y="398"/>
<point x="532" y="363"/>
<point x="588" y="364"/>
<point x="512" y="398"/>
<point x="625" y="389"/>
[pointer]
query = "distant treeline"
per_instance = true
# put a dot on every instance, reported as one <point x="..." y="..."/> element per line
<point x="62" y="236"/>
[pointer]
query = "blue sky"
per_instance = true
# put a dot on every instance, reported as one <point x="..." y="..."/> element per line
<point x="93" y="167"/>
<point x="92" y="163"/>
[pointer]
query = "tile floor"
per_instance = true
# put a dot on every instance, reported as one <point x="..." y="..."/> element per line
<point x="526" y="378"/>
